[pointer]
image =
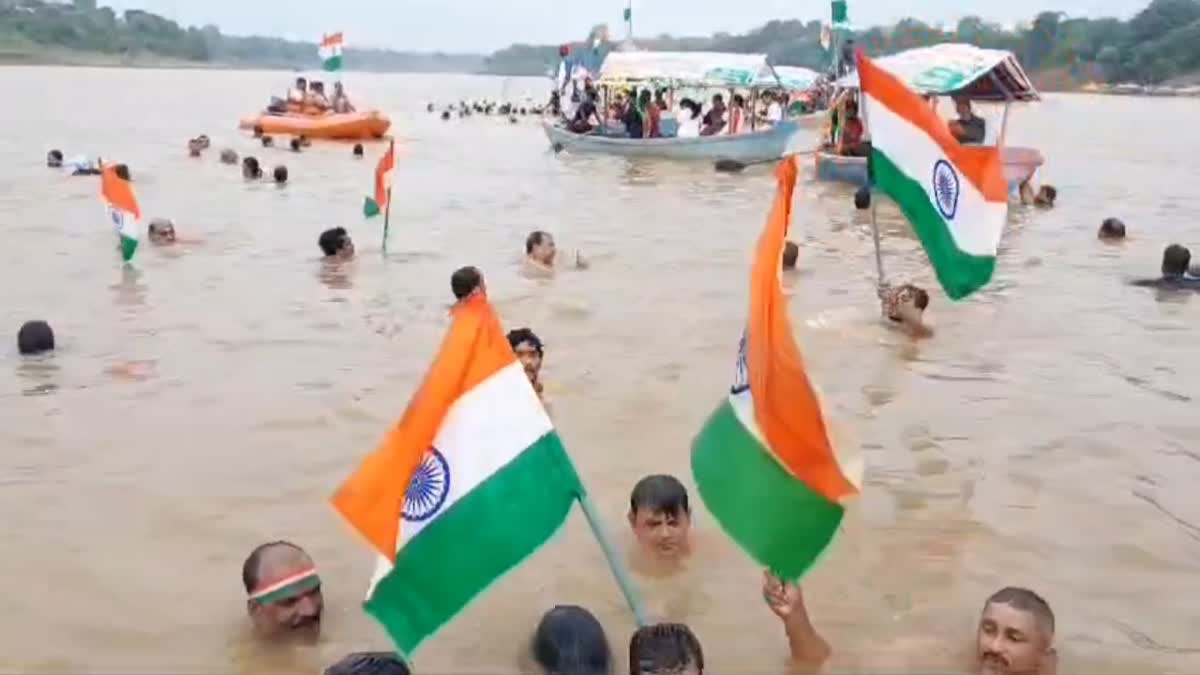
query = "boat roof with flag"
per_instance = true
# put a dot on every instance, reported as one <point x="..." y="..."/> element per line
<point x="954" y="69"/>
<point x="703" y="69"/>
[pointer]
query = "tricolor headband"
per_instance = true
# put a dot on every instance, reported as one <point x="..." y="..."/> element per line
<point x="288" y="587"/>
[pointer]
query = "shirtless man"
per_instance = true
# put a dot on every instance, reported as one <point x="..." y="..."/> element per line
<point x="904" y="306"/>
<point x="284" y="592"/>
<point x="540" y="251"/>
<point x="1014" y="636"/>
<point x="529" y="350"/>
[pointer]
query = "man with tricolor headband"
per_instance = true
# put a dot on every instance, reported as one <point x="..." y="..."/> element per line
<point x="284" y="592"/>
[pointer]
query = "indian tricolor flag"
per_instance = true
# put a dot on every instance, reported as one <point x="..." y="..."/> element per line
<point x="955" y="196"/>
<point x="470" y="482"/>
<point x="331" y="52"/>
<point x="763" y="462"/>
<point x="122" y="207"/>
<point x="383" y="183"/>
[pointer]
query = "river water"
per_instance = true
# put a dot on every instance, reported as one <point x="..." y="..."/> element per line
<point x="214" y="398"/>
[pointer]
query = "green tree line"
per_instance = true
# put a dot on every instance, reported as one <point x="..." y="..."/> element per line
<point x="27" y="26"/>
<point x="1160" y="42"/>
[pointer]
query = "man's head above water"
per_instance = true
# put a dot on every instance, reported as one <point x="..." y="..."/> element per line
<point x="284" y="592"/>
<point x="539" y="247"/>
<point x="660" y="516"/>
<point x="1015" y="634"/>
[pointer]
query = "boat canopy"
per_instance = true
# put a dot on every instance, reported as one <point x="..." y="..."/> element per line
<point x="956" y="69"/>
<point x="694" y="69"/>
<point x="793" y="78"/>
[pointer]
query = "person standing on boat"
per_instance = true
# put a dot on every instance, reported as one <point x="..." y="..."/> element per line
<point x="297" y="95"/>
<point x="651" y="115"/>
<point x="969" y="128"/>
<point x="737" y="114"/>
<point x="341" y="102"/>
<point x="714" y="119"/>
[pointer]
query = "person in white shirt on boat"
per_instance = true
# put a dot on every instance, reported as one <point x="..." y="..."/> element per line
<point x="297" y="94"/>
<point x="688" y="119"/>
<point x="774" y="114"/>
<point x="341" y="102"/>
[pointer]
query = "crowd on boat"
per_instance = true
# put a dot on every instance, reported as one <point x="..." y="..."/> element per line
<point x="846" y="135"/>
<point x="309" y="98"/>
<point x="650" y="112"/>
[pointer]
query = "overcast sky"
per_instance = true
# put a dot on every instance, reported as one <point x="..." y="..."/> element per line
<point x="486" y="25"/>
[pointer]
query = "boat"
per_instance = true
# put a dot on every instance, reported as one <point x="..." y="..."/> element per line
<point x="355" y="126"/>
<point x="682" y="70"/>
<point x="950" y="70"/>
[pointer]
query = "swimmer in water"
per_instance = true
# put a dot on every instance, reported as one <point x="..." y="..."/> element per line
<point x="1175" y="261"/>
<point x="161" y="232"/>
<point x="1112" y="229"/>
<point x="904" y="306"/>
<point x="790" y="253"/>
<point x="665" y="649"/>
<point x="35" y="337"/>
<point x="661" y="518"/>
<point x="466" y="282"/>
<point x="195" y="147"/>
<point x="541" y="253"/>
<point x="530" y="351"/>
<point x="54" y="159"/>
<point x="336" y="244"/>
<point x="1013" y="636"/>
<point x="1044" y="198"/>
<point x="284" y="593"/>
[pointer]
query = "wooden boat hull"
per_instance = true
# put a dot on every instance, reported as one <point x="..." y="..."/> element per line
<point x="760" y="145"/>
<point x="346" y="127"/>
<point x="1019" y="165"/>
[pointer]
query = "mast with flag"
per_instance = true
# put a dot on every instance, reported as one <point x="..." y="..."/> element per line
<point x="331" y="52"/>
<point x="628" y="16"/>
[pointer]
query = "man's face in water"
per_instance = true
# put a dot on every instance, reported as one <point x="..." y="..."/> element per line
<point x="544" y="252"/>
<point x="1010" y="642"/>
<point x="295" y="617"/>
<point x="661" y="533"/>
<point x="530" y="359"/>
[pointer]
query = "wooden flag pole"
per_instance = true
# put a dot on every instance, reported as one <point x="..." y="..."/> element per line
<point x="614" y="564"/>
<point x="387" y="208"/>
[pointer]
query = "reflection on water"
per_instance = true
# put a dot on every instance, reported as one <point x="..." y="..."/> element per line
<point x="200" y="404"/>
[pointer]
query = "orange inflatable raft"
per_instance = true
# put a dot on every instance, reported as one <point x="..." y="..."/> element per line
<point x="344" y="127"/>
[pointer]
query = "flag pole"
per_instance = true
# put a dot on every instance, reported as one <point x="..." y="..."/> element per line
<point x="870" y="180"/>
<point x="614" y="564"/>
<point x="387" y="208"/>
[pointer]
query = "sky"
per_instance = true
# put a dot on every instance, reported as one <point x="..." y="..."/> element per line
<point x="487" y="25"/>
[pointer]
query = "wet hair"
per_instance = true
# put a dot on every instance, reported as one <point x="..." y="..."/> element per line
<point x="664" y="648"/>
<point x="122" y="171"/>
<point x="1112" y="228"/>
<point x="35" y="337"/>
<point x="1047" y="194"/>
<point x="519" y="335"/>
<point x="258" y="130"/>
<point x="295" y="144"/>
<point x="332" y="240"/>
<point x="464" y="281"/>
<point x="535" y="238"/>
<point x="570" y="641"/>
<point x="229" y="156"/>
<point x="660" y="494"/>
<point x="268" y="142"/>
<point x="250" y="164"/>
<point x="370" y="663"/>
<point x="919" y="296"/>
<point x="862" y="198"/>
<point x="358" y="150"/>
<point x="1026" y="601"/>
<point x="54" y="158"/>
<point x="1175" y="260"/>
<point x="281" y="174"/>
<point x="790" y="253"/>
<point x="253" y="561"/>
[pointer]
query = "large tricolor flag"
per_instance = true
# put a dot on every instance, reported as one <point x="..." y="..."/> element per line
<point x="331" y="52"/>
<point x="763" y="462"/>
<point x="373" y="206"/>
<point x="470" y="482"/>
<point x="955" y="196"/>
<point x="122" y="209"/>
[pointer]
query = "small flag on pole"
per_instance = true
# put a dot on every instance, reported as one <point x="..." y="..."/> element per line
<point x="628" y="14"/>
<point x="331" y="52"/>
<point x="955" y="195"/>
<point x="122" y="207"/>
<point x="373" y="206"/>
<point x="840" y="15"/>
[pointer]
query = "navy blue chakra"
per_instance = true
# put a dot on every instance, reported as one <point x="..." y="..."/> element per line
<point x="741" y="374"/>
<point x="428" y="489"/>
<point x="945" y="189"/>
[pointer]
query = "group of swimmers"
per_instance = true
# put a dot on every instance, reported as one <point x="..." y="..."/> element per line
<point x="1014" y="633"/>
<point x="487" y="107"/>
<point x="305" y="98"/>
